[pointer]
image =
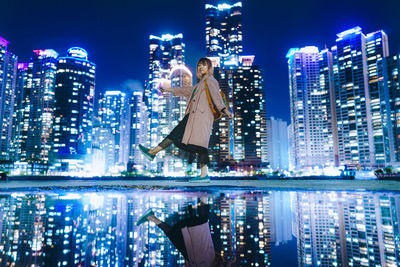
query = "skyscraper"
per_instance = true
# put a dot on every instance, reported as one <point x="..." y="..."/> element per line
<point x="112" y="107"/>
<point x="328" y="108"/>
<point x="138" y="129"/>
<point x="73" y="112"/>
<point x="167" y="56"/>
<point x="20" y="123"/>
<point x="40" y="106"/>
<point x="223" y="149"/>
<point x="389" y="88"/>
<point x="377" y="47"/>
<point x="354" y="120"/>
<point x="310" y="108"/>
<point x="249" y="124"/>
<point x="8" y="69"/>
<point x="241" y="141"/>
<point x="277" y="144"/>
<point x="224" y="32"/>
<point x="163" y="50"/>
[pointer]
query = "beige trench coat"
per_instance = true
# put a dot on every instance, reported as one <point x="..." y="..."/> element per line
<point x="199" y="246"/>
<point x="199" y="125"/>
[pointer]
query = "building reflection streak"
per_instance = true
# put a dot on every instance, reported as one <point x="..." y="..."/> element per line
<point x="98" y="228"/>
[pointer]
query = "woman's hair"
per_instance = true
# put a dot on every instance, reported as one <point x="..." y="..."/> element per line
<point x="204" y="61"/>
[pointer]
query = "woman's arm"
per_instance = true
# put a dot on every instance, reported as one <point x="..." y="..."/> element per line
<point x="185" y="91"/>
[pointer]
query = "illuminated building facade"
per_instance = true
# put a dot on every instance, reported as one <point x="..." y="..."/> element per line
<point x="354" y="121"/>
<point x="377" y="47"/>
<point x="310" y="108"/>
<point x="167" y="56"/>
<point x="328" y="109"/>
<point x="163" y="50"/>
<point x="40" y="97"/>
<point x="8" y="72"/>
<point x="389" y="87"/>
<point x="20" y="122"/>
<point x="291" y="147"/>
<point x="112" y="107"/>
<point x="74" y="92"/>
<point x="224" y="32"/>
<point x="223" y="148"/>
<point x="138" y="130"/>
<point x="250" y="137"/>
<point x="243" y="141"/>
<point x="277" y="144"/>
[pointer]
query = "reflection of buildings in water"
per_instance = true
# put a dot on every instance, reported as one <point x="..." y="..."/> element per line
<point x="22" y="227"/>
<point x="281" y="217"/>
<point x="348" y="229"/>
<point x="99" y="229"/>
<point x="371" y="224"/>
<point x="242" y="227"/>
<point x="66" y="231"/>
<point x="317" y="229"/>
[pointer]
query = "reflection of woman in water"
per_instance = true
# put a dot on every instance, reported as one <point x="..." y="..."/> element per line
<point x="191" y="237"/>
<point x="192" y="134"/>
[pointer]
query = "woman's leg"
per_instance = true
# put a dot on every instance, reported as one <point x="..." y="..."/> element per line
<point x="191" y="158"/>
<point x="173" y="233"/>
<point x="164" y="226"/>
<point x="175" y="136"/>
<point x="203" y="161"/>
<point x="161" y="146"/>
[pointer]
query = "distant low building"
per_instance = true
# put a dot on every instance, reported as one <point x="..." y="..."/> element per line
<point x="277" y="144"/>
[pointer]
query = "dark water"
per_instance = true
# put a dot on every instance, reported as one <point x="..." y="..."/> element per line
<point x="258" y="228"/>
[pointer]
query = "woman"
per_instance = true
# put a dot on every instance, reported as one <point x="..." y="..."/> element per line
<point x="191" y="236"/>
<point x="192" y="134"/>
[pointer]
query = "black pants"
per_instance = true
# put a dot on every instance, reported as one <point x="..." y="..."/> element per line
<point x="174" y="233"/>
<point x="176" y="137"/>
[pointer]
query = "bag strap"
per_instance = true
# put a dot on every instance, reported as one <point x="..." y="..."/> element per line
<point x="209" y="97"/>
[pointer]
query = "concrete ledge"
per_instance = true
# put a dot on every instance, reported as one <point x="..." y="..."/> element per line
<point x="353" y="185"/>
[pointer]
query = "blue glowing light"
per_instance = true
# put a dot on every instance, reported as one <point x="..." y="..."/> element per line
<point x="350" y="31"/>
<point x="77" y="52"/>
<point x="4" y="42"/>
<point x="166" y="37"/>
<point x="46" y="53"/>
<point x="291" y="52"/>
<point x="224" y="6"/>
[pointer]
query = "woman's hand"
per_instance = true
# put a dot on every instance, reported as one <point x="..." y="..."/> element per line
<point x="165" y="89"/>
<point x="227" y="113"/>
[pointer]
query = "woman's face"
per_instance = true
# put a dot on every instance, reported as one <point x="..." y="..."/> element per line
<point x="202" y="68"/>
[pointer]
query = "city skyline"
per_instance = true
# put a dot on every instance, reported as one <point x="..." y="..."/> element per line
<point x="54" y="119"/>
<point x="88" y="32"/>
<point x="341" y="107"/>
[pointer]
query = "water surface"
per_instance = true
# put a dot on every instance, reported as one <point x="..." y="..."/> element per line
<point x="258" y="228"/>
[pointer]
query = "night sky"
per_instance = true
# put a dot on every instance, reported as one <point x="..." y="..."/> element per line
<point x="116" y="33"/>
